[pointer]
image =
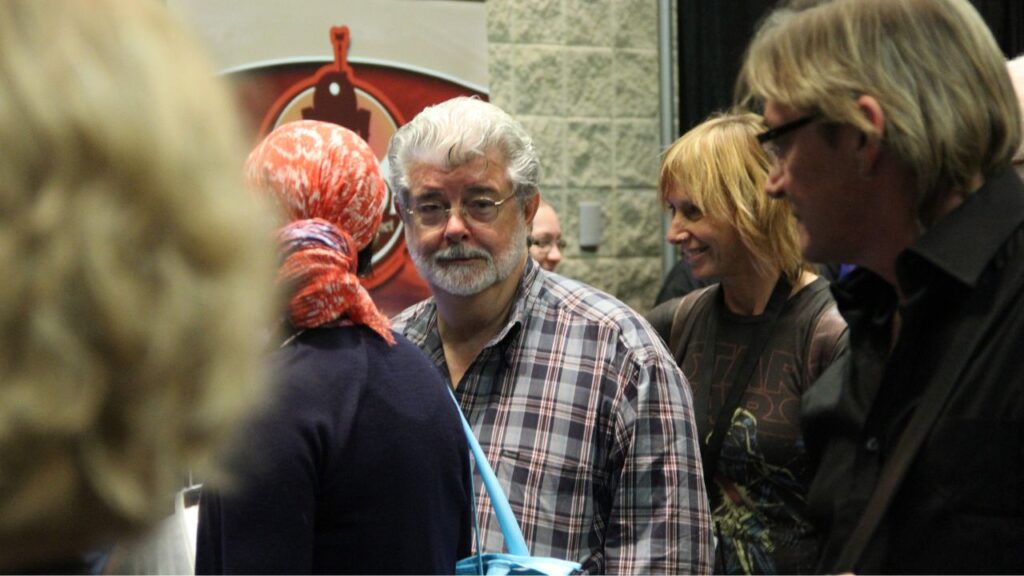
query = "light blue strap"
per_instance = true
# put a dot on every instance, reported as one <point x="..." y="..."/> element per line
<point x="476" y="525"/>
<point x="506" y="520"/>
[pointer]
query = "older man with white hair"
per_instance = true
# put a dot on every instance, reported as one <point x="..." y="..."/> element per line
<point x="575" y="400"/>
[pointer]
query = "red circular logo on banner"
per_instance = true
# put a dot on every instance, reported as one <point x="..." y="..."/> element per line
<point x="372" y="100"/>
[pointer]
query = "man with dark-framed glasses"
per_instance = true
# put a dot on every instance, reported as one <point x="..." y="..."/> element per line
<point x="893" y="124"/>
<point x="579" y="407"/>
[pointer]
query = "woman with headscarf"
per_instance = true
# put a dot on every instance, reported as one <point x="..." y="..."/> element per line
<point x="360" y="466"/>
<point x="751" y="344"/>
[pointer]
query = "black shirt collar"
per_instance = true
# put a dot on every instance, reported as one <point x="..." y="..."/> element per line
<point x="964" y="242"/>
<point x="960" y="245"/>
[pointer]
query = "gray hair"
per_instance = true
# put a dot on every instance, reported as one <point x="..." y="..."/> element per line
<point x="456" y="132"/>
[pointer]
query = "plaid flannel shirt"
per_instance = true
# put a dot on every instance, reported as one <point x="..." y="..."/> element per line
<point x="587" y="421"/>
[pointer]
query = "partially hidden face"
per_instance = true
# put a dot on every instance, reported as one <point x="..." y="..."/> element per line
<point x="818" y="177"/>
<point x="711" y="246"/>
<point x="546" y="239"/>
<point x="463" y="256"/>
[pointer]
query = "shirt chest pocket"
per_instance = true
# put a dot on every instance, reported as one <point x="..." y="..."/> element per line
<point x="555" y="501"/>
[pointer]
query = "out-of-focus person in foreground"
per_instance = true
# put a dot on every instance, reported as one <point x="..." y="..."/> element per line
<point x="137" y="275"/>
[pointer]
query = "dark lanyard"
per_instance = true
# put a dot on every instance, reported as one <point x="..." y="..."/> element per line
<point x="758" y="338"/>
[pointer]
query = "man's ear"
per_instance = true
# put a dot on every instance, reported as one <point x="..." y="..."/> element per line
<point x="530" y="210"/>
<point x="399" y="206"/>
<point x="870" y="145"/>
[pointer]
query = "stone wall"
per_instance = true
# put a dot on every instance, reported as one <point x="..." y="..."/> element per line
<point x="582" y="76"/>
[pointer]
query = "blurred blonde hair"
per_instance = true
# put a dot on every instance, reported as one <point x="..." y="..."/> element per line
<point x="722" y="168"/>
<point x="137" y="272"/>
<point x="1016" y="69"/>
<point x="932" y="65"/>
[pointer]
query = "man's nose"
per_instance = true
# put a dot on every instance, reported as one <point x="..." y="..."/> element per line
<point x="456" y="229"/>
<point x="555" y="254"/>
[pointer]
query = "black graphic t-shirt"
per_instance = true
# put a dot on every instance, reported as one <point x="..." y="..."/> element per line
<point x="763" y="470"/>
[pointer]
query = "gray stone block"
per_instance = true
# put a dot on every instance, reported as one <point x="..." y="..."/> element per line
<point x="637" y="153"/>
<point x="501" y="67"/>
<point x="635" y="281"/>
<point x="589" y="82"/>
<point x="636" y="23"/>
<point x="538" y="22"/>
<point x="589" y="146"/>
<point x="499" y="20"/>
<point x="556" y="196"/>
<point x="539" y="81"/>
<point x="636" y="84"/>
<point x="582" y="77"/>
<point x="633" y="224"/>
<point x="548" y="134"/>
<point x="589" y="23"/>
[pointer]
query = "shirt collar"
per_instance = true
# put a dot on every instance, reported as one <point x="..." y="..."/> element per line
<point x="862" y="289"/>
<point x="964" y="242"/>
<point x="421" y="327"/>
<point x="526" y="293"/>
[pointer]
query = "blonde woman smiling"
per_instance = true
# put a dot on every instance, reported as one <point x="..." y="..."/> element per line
<point x="750" y="344"/>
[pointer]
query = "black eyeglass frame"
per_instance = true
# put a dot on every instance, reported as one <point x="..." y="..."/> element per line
<point x="783" y="129"/>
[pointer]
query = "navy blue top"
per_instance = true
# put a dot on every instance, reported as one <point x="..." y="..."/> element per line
<point x="360" y="465"/>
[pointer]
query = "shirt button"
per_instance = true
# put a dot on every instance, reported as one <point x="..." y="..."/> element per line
<point x="871" y="445"/>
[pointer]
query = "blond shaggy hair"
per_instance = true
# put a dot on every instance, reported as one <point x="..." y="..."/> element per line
<point x="723" y="169"/>
<point x="137" y="272"/>
<point x="933" y="66"/>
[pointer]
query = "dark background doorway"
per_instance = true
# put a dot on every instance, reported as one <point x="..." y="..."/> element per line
<point x="713" y="35"/>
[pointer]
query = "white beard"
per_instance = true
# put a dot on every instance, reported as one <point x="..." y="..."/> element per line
<point x="463" y="280"/>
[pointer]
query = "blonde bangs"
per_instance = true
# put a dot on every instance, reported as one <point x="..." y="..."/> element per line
<point x="723" y="169"/>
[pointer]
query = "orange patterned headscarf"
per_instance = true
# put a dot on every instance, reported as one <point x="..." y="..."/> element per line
<point x="327" y="181"/>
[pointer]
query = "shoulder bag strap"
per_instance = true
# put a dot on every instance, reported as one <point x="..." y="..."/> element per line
<point x="502" y="510"/>
<point x="755" y="346"/>
<point x="932" y="403"/>
<point x="684" y="316"/>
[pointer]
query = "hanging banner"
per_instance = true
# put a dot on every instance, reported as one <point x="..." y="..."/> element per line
<point x="278" y="81"/>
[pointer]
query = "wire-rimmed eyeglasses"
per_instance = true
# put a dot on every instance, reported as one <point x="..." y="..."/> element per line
<point x="545" y="244"/>
<point x="434" y="214"/>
